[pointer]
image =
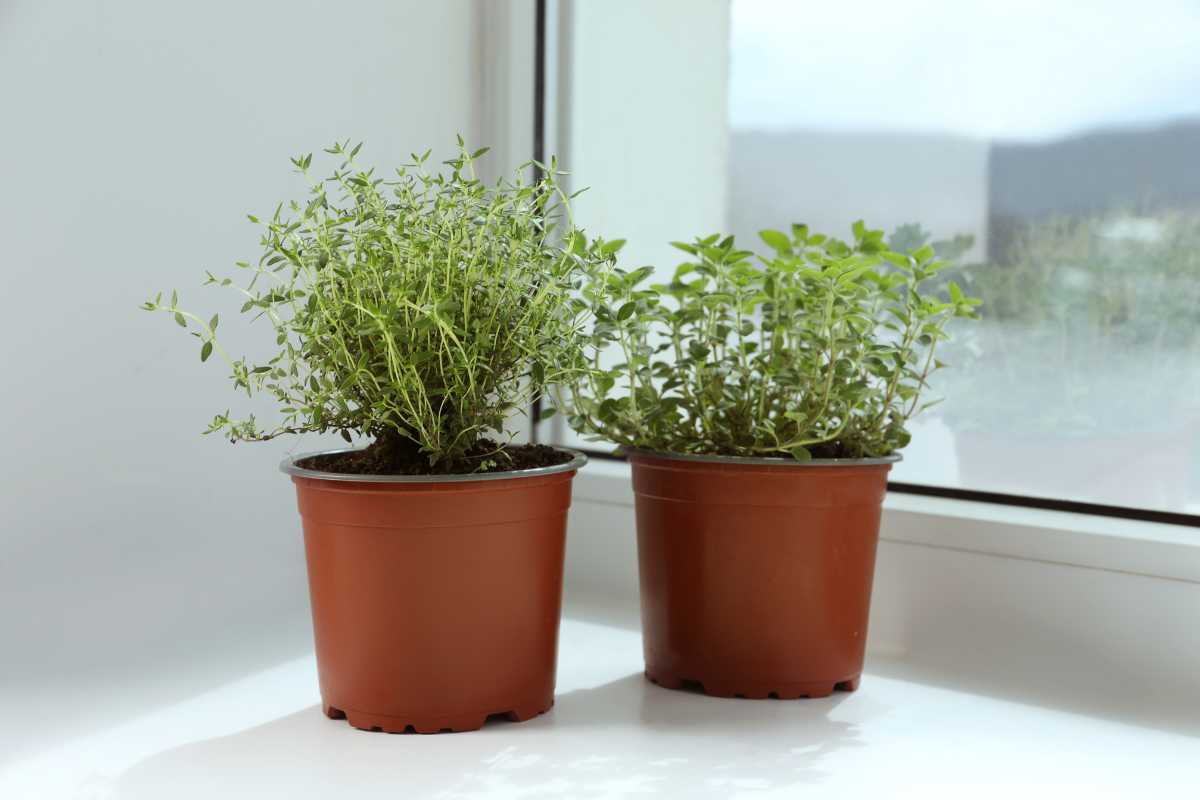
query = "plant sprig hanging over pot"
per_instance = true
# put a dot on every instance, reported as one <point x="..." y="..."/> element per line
<point x="422" y="310"/>
<point x="821" y="350"/>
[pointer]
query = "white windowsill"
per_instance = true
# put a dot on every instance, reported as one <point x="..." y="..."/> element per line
<point x="612" y="734"/>
<point x="984" y="649"/>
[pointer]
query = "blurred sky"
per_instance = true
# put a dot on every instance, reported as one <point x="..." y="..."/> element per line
<point x="995" y="69"/>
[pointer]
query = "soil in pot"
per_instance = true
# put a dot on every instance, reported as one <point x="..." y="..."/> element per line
<point x="400" y="456"/>
<point x="756" y="578"/>
<point x="435" y="604"/>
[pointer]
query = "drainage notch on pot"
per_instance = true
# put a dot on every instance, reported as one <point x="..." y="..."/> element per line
<point x="435" y="599"/>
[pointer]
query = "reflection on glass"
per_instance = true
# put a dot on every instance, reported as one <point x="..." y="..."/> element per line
<point x="1062" y="176"/>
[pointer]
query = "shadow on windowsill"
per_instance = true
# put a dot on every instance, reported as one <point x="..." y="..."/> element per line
<point x="624" y="737"/>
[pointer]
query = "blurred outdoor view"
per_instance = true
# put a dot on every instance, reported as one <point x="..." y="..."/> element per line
<point x="1061" y="172"/>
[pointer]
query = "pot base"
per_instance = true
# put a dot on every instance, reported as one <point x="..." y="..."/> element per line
<point x="755" y="690"/>
<point x="455" y="723"/>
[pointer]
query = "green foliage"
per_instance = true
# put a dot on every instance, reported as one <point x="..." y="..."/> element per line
<point x="1093" y="325"/>
<point x="911" y="236"/>
<point x="426" y="307"/>
<point x="1124" y="277"/>
<point x="822" y="349"/>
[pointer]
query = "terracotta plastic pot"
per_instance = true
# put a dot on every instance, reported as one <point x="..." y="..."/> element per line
<point x="435" y="600"/>
<point x="756" y="573"/>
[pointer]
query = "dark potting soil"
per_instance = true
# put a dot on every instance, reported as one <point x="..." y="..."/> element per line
<point x="401" y="457"/>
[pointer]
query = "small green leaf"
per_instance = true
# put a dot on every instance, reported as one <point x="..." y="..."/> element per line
<point x="850" y="275"/>
<point x="923" y="254"/>
<point x="212" y="323"/>
<point x="179" y="320"/>
<point x="640" y="274"/>
<point x="626" y="311"/>
<point x="801" y="453"/>
<point x="577" y="244"/>
<point x="776" y="241"/>
<point x="206" y="351"/>
<point x="611" y="248"/>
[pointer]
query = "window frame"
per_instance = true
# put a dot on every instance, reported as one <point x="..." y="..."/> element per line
<point x="546" y="28"/>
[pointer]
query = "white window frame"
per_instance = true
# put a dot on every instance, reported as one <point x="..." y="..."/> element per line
<point x="572" y="88"/>
<point x="1042" y="593"/>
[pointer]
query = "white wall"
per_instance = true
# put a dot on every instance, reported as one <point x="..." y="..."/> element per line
<point x="136" y="135"/>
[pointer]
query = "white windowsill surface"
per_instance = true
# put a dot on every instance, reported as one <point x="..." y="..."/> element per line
<point x="1010" y="650"/>
<point x="611" y="735"/>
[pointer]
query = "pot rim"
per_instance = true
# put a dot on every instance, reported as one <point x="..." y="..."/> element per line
<point x="774" y="462"/>
<point x="288" y="465"/>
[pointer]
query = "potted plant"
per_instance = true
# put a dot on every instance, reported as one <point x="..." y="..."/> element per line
<point x="420" y="311"/>
<point x="762" y="406"/>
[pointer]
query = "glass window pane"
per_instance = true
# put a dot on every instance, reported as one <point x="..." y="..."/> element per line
<point x="1051" y="147"/>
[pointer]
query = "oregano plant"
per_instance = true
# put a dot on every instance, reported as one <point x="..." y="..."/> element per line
<point x="422" y="309"/>
<point x="819" y="349"/>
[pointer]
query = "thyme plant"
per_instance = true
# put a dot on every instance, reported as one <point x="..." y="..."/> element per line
<point x="820" y="349"/>
<point x="422" y="309"/>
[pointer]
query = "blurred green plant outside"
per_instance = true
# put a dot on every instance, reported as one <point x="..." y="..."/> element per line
<point x="1092" y="324"/>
